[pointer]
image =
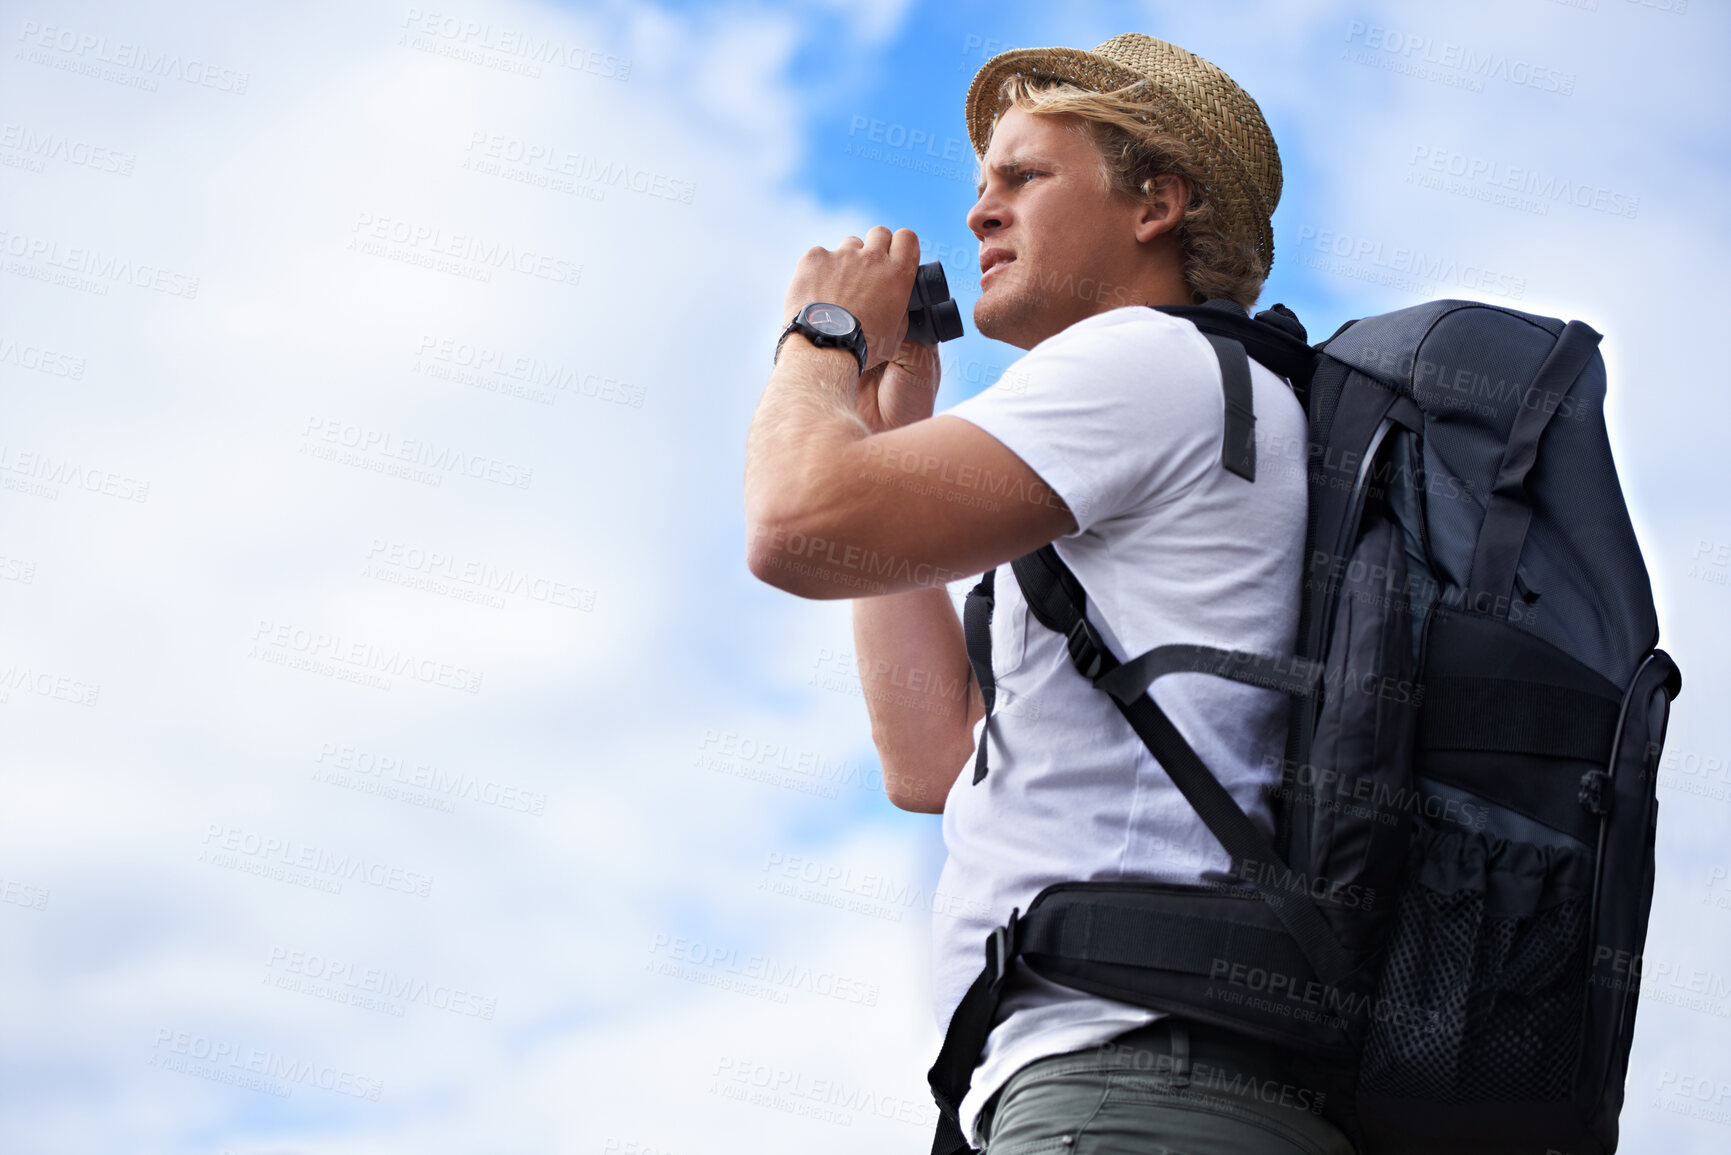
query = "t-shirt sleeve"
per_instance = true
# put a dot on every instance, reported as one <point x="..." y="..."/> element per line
<point x="1113" y="417"/>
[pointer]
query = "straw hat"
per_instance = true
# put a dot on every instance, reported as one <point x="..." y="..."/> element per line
<point x="1186" y="96"/>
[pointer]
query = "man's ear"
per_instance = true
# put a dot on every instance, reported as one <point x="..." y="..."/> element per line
<point x="1163" y="208"/>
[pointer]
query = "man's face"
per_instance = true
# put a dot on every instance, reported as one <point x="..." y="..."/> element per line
<point x="1055" y="245"/>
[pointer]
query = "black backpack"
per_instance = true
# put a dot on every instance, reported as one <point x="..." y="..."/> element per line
<point x="1465" y="816"/>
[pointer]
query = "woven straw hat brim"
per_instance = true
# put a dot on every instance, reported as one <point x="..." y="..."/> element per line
<point x="1243" y="165"/>
<point x="1076" y="65"/>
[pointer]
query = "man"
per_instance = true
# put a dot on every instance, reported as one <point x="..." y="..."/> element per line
<point x="1133" y="175"/>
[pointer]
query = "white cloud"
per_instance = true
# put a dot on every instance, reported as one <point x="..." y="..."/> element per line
<point x="593" y="711"/>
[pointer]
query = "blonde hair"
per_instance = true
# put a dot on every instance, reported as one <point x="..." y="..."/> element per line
<point x="1133" y="153"/>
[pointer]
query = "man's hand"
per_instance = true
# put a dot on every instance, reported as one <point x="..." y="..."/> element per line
<point x="870" y="278"/>
<point x="899" y="391"/>
<point x="852" y="487"/>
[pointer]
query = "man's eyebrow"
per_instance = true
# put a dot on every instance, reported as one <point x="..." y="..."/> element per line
<point x="1008" y="166"/>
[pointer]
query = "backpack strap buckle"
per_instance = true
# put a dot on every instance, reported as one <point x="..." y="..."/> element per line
<point x="1087" y="647"/>
<point x="1001" y="949"/>
<point x="1595" y="792"/>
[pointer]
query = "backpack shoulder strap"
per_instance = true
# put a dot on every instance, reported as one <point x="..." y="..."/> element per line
<point x="977" y="633"/>
<point x="1238" y="435"/>
<point x="1275" y="338"/>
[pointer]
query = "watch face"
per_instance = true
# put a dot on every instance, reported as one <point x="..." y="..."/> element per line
<point x="832" y="320"/>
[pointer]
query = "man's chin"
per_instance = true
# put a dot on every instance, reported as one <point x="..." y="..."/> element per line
<point x="1003" y="317"/>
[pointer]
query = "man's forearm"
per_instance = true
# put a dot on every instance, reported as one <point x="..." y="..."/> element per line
<point x="805" y="417"/>
<point x="913" y="664"/>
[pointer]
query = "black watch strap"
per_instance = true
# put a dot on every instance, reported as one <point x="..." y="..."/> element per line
<point x="854" y="343"/>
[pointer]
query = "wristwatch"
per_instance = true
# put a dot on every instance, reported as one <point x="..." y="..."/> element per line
<point x="828" y="327"/>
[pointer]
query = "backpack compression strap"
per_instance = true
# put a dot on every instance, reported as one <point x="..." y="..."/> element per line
<point x="1510" y="511"/>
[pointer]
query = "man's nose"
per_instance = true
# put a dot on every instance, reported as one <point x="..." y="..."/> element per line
<point x="985" y="217"/>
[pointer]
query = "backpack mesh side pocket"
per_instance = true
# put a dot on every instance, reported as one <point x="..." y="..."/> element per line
<point x="1483" y="989"/>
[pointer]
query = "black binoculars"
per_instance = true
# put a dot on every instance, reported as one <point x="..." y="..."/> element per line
<point x="932" y="316"/>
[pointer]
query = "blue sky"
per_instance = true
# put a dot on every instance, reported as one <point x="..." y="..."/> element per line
<point x="610" y="817"/>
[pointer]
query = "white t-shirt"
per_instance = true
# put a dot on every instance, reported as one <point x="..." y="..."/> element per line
<point x="1121" y="415"/>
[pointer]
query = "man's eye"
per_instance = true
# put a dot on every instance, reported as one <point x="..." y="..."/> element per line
<point x="1024" y="174"/>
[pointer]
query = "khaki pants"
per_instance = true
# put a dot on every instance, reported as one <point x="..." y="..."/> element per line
<point x="1170" y="1088"/>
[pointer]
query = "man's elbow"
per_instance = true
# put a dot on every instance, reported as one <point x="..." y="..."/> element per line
<point x="912" y="795"/>
<point x="804" y="559"/>
<point x="770" y="561"/>
<point x="924" y="791"/>
<point x="762" y="558"/>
